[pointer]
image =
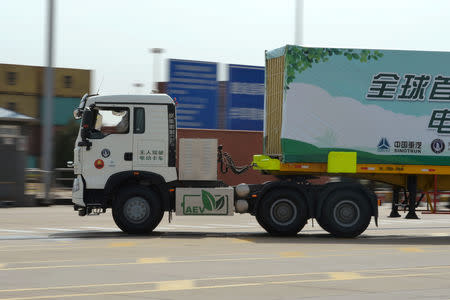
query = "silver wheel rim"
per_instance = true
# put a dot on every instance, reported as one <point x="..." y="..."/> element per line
<point x="283" y="212"/>
<point x="136" y="210"/>
<point x="346" y="213"/>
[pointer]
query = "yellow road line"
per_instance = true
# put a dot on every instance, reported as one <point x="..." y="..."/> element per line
<point x="122" y="244"/>
<point x="191" y="286"/>
<point x="153" y="260"/>
<point x="186" y="261"/>
<point x="344" y="275"/>
<point x="175" y="285"/>
<point x="411" y="250"/>
<point x="338" y="276"/>
<point x="134" y="263"/>
<point x="242" y="240"/>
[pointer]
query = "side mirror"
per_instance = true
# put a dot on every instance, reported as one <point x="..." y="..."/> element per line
<point x="88" y="117"/>
<point x="86" y="125"/>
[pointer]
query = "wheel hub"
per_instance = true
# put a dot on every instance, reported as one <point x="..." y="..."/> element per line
<point x="283" y="211"/>
<point x="346" y="213"/>
<point x="136" y="210"/>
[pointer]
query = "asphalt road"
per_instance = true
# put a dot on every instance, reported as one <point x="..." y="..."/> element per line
<point x="51" y="253"/>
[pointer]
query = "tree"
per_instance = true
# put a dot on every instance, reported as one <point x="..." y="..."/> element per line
<point x="298" y="59"/>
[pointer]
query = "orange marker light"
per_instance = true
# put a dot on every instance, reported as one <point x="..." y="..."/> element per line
<point x="99" y="164"/>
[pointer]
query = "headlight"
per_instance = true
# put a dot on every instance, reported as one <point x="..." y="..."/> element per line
<point x="77" y="114"/>
<point x="76" y="185"/>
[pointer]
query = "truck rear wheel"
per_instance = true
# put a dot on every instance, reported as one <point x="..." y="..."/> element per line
<point x="345" y="213"/>
<point x="137" y="209"/>
<point x="282" y="212"/>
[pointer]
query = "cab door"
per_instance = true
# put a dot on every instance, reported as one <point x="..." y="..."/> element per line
<point x="151" y="138"/>
<point x="111" y="151"/>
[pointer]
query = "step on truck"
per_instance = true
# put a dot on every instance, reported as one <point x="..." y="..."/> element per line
<point x="357" y="114"/>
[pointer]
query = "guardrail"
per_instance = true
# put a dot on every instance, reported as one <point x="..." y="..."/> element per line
<point x="61" y="183"/>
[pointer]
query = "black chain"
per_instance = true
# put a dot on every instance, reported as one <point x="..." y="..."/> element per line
<point x="226" y="162"/>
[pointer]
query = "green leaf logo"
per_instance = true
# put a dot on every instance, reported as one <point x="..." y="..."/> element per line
<point x="220" y="203"/>
<point x="208" y="200"/>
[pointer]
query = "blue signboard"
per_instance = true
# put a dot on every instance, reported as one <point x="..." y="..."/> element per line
<point x="245" y="100"/>
<point x="194" y="85"/>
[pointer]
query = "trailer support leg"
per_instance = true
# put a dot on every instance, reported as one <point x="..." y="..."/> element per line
<point x="395" y="199"/>
<point x="412" y="189"/>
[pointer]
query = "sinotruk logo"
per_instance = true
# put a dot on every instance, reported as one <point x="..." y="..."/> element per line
<point x="438" y="146"/>
<point x="383" y="145"/>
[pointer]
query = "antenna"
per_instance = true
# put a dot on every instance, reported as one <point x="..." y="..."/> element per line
<point x="100" y="84"/>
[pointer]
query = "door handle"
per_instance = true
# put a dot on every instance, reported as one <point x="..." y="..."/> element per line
<point x="128" y="156"/>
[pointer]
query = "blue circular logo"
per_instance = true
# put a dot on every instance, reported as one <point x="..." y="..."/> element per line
<point x="438" y="146"/>
<point x="106" y="153"/>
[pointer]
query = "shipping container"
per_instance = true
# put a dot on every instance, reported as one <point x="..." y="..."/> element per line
<point x="386" y="106"/>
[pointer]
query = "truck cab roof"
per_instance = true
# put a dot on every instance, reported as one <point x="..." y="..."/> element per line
<point x="130" y="99"/>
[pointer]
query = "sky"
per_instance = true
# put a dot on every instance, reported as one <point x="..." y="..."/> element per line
<point x="113" y="37"/>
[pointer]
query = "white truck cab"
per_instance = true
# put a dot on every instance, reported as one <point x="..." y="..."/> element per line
<point x="126" y="133"/>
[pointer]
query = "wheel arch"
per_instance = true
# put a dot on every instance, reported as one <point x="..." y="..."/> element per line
<point x="355" y="187"/>
<point x="153" y="180"/>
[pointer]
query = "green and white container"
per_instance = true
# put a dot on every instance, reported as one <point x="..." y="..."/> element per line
<point x="388" y="106"/>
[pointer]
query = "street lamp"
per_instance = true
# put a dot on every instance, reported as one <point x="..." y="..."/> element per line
<point x="299" y="14"/>
<point x="138" y="86"/>
<point x="156" y="53"/>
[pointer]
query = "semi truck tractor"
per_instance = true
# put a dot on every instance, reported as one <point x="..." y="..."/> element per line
<point x="354" y="113"/>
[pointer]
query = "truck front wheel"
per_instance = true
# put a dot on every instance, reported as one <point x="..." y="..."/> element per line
<point x="282" y="212"/>
<point x="346" y="213"/>
<point x="137" y="209"/>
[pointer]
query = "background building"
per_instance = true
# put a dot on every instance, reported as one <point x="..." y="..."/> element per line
<point x="21" y="90"/>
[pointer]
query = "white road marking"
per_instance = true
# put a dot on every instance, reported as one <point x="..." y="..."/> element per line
<point x="190" y="226"/>
<point x="164" y="228"/>
<point x="16" y="231"/>
<point x="440" y="234"/>
<point x="232" y="225"/>
<point x="101" y="228"/>
<point x="57" y="229"/>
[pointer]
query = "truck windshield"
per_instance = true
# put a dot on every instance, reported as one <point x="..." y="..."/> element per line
<point x="110" y="121"/>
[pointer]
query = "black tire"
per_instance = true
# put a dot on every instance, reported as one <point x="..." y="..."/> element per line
<point x="137" y="209"/>
<point x="345" y="214"/>
<point x="282" y="212"/>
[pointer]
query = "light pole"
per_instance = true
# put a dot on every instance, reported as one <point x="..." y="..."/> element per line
<point x="156" y="53"/>
<point x="47" y="139"/>
<point x="299" y="7"/>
